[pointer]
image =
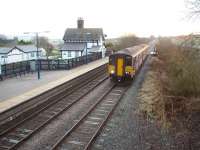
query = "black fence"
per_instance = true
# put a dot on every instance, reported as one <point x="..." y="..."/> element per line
<point x="15" y="69"/>
<point x="20" y="68"/>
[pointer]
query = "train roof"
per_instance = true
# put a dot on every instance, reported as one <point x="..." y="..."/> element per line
<point x="133" y="51"/>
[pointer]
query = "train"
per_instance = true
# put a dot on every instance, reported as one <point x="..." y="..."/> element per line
<point x="124" y="64"/>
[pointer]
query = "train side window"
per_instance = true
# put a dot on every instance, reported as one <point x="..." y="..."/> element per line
<point x="128" y="60"/>
<point x="111" y="61"/>
<point x="134" y="60"/>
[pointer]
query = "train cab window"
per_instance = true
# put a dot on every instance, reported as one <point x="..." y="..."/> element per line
<point x="128" y="60"/>
<point x="111" y="61"/>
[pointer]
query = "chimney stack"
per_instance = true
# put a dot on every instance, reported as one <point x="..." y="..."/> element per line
<point x="80" y="23"/>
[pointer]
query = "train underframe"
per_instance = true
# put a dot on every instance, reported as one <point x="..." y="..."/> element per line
<point x="126" y="77"/>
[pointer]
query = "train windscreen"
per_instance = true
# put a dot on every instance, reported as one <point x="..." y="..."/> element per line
<point x="128" y="61"/>
<point x="111" y="60"/>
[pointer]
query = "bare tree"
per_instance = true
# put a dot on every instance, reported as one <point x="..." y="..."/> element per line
<point x="194" y="8"/>
<point x="128" y="41"/>
<point x="44" y="43"/>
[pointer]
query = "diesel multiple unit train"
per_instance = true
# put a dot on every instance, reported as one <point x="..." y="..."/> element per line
<point x="125" y="63"/>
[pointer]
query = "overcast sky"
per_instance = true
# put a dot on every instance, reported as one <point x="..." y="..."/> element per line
<point x="116" y="17"/>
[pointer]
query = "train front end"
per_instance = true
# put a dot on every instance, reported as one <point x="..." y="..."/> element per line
<point x="120" y="67"/>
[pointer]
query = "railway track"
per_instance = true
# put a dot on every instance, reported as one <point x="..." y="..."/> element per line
<point x="13" y="137"/>
<point x="25" y="109"/>
<point x="84" y="131"/>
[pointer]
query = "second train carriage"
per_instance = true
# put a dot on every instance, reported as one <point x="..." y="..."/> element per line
<point x="125" y="63"/>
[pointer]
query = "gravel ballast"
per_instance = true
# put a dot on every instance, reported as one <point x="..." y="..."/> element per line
<point x="127" y="129"/>
<point x="50" y="134"/>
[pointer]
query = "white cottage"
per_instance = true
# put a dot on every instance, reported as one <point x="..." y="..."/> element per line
<point x="20" y="53"/>
<point x="79" y="41"/>
<point x="3" y="54"/>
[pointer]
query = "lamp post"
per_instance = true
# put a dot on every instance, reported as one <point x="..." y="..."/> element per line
<point x="86" y="53"/>
<point x="37" y="45"/>
<point x="38" y="62"/>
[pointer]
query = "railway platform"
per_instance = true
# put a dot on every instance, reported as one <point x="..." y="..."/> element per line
<point x="14" y="91"/>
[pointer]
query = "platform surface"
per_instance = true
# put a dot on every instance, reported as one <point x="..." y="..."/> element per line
<point x="19" y="89"/>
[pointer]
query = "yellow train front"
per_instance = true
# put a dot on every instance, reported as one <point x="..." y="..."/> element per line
<point x="124" y="64"/>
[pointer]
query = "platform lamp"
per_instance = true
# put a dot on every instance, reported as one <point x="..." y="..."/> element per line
<point x="37" y="45"/>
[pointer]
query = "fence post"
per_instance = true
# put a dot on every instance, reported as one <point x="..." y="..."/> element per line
<point x="67" y="63"/>
<point x="40" y="64"/>
<point x="81" y="60"/>
<point x="24" y="67"/>
<point x="84" y="60"/>
<point x="74" y="59"/>
<point x="72" y="62"/>
<point x="48" y="64"/>
<point x="13" y="68"/>
<point x="58" y="64"/>
<point x="76" y="62"/>
<point x="5" y="70"/>
<point x="20" y="68"/>
<point x="88" y="58"/>
<point x="1" y="73"/>
<point x="27" y="67"/>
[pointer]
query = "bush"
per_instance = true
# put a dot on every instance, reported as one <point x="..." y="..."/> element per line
<point x="126" y="41"/>
<point x="182" y="68"/>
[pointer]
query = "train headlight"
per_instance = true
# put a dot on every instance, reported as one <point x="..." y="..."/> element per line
<point x="112" y="71"/>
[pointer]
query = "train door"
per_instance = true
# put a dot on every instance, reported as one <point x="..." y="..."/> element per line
<point x="120" y="66"/>
<point x="111" y="67"/>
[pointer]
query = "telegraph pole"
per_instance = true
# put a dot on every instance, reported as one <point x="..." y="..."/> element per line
<point x="37" y="45"/>
<point x="38" y="61"/>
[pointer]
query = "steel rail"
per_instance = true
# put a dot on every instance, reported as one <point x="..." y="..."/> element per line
<point x="50" y="119"/>
<point x="103" y="123"/>
<point x="44" y="108"/>
<point x="54" y="117"/>
<point x="82" y="118"/>
<point x="16" y="112"/>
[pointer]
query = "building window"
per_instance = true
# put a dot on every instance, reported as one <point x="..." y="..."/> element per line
<point x="5" y="56"/>
<point x="76" y="54"/>
<point x="69" y="54"/>
<point x="32" y="54"/>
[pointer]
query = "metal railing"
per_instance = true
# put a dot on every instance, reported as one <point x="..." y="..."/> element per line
<point x="23" y="67"/>
<point x="14" y="69"/>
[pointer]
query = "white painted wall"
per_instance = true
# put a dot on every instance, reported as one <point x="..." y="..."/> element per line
<point x="101" y="41"/>
<point x="16" y="56"/>
<point x="89" y="46"/>
<point x="103" y="50"/>
<point x="2" y="58"/>
<point x="43" y="53"/>
<point x="65" y="54"/>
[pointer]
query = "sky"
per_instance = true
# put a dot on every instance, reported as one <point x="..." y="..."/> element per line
<point x="116" y="17"/>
